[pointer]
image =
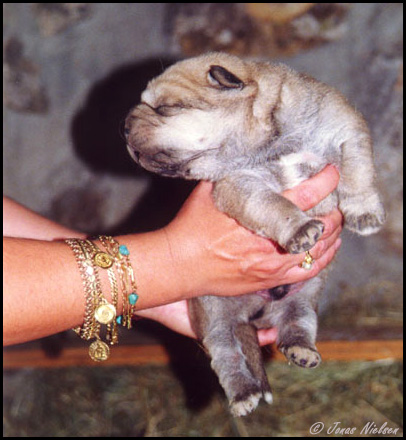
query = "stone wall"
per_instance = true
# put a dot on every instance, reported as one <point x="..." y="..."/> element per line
<point x="72" y="71"/>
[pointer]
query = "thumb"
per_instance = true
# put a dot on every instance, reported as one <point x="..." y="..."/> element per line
<point x="312" y="191"/>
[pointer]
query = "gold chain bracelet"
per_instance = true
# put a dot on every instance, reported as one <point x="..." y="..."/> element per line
<point x="98" y="310"/>
<point x="126" y="276"/>
<point x="90" y="327"/>
<point x="106" y="312"/>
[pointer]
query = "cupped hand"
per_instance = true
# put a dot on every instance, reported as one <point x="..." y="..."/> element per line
<point x="218" y="256"/>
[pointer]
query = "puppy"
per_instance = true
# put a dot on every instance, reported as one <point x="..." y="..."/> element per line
<point x="256" y="129"/>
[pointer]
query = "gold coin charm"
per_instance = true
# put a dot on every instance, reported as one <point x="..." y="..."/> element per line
<point x="103" y="260"/>
<point x="105" y="313"/>
<point x="99" y="351"/>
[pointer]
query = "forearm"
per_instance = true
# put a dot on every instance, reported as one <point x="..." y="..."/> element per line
<point x="42" y="285"/>
<point x="19" y="221"/>
<point x="43" y="290"/>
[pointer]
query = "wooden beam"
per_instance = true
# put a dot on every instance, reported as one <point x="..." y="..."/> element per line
<point x="156" y="354"/>
<point x="361" y="350"/>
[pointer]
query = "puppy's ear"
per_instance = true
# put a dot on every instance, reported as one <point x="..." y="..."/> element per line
<point x="221" y="77"/>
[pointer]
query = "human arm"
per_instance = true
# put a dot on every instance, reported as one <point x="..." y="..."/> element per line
<point x="43" y="290"/>
<point x="202" y="251"/>
<point x="21" y="222"/>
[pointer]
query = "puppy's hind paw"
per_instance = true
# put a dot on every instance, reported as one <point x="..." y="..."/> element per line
<point x="242" y="407"/>
<point x="302" y="356"/>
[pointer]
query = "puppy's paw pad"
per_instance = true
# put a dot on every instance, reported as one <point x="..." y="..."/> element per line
<point x="245" y="406"/>
<point x="302" y="356"/>
<point x="306" y="237"/>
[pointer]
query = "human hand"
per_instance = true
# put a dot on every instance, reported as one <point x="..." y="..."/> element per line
<point x="175" y="316"/>
<point x="217" y="256"/>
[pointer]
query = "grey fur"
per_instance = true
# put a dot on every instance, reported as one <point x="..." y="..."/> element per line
<point x="256" y="129"/>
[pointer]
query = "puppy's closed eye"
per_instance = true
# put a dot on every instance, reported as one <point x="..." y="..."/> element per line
<point x="168" y="110"/>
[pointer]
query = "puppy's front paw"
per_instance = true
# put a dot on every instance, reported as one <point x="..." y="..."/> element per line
<point x="302" y="356"/>
<point x="306" y="237"/>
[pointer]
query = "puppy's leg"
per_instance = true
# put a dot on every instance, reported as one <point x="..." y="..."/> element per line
<point x="254" y="205"/>
<point x="235" y="353"/>
<point x="296" y="320"/>
<point x="237" y="361"/>
<point x="297" y="336"/>
<point x="246" y="336"/>
<point x="358" y="196"/>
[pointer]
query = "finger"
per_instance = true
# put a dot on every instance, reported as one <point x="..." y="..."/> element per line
<point x="319" y="249"/>
<point x="312" y="191"/>
<point x="203" y="187"/>
<point x="201" y="194"/>
<point x="174" y="316"/>
<point x="297" y="273"/>
<point x="332" y="222"/>
<point x="325" y="259"/>
<point x="331" y="233"/>
<point x="332" y="229"/>
<point x="289" y="264"/>
<point x="267" y="336"/>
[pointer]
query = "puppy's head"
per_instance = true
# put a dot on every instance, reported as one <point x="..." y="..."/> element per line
<point x="200" y="115"/>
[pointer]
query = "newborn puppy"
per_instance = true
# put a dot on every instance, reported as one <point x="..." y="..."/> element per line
<point x="256" y="129"/>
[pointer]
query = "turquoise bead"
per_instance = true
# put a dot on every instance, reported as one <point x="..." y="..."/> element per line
<point x="119" y="320"/>
<point x="132" y="298"/>
<point x="123" y="249"/>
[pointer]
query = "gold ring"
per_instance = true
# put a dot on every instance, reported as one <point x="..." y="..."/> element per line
<point x="307" y="262"/>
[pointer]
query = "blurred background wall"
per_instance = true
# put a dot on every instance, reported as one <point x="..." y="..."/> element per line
<point x="73" y="70"/>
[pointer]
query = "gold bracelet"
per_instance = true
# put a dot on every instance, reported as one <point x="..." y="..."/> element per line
<point x="90" y="326"/>
<point x="95" y="302"/>
<point x="106" y="312"/>
<point x="126" y="276"/>
<point x="98" y="310"/>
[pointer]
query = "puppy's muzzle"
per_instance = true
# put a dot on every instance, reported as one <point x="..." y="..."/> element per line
<point x="138" y="131"/>
<point x="161" y="162"/>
